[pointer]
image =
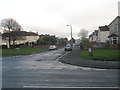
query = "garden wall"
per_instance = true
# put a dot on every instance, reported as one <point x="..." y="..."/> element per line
<point x="113" y="46"/>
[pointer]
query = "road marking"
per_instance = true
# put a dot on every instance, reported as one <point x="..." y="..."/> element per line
<point x="76" y="67"/>
<point x="63" y="56"/>
<point x="67" y="87"/>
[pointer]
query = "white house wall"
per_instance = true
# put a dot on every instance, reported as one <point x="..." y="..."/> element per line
<point x="90" y="39"/>
<point x="95" y="38"/>
<point x="0" y="39"/>
<point x="103" y="36"/>
<point x="27" y="39"/>
<point x="113" y="27"/>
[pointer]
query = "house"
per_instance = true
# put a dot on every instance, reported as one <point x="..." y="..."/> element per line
<point x="90" y="38"/>
<point x="1" y="30"/>
<point x="109" y="34"/>
<point x="103" y="33"/>
<point x="114" y="31"/>
<point x="0" y="38"/>
<point x="93" y="38"/>
<point x="21" y="37"/>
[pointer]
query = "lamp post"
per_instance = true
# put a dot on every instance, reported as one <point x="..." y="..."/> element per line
<point x="71" y="32"/>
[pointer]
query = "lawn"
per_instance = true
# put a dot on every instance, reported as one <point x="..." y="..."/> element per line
<point x="102" y="54"/>
<point x="21" y="51"/>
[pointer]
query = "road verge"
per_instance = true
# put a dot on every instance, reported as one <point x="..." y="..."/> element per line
<point x="74" y="58"/>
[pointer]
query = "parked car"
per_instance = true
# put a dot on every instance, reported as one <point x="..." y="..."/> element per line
<point x="52" y="47"/>
<point x="68" y="47"/>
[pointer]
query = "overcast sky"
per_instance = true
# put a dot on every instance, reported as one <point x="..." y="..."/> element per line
<point x="52" y="16"/>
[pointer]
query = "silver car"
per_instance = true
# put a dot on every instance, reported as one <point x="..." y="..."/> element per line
<point x="52" y="47"/>
<point x="68" y="47"/>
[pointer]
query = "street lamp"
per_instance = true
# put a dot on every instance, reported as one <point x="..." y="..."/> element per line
<point x="71" y="32"/>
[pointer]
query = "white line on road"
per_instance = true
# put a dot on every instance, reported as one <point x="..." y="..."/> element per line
<point x="63" y="55"/>
<point x="65" y="87"/>
<point x="84" y="68"/>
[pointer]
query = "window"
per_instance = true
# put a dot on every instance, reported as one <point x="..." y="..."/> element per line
<point x="114" y="41"/>
<point x="117" y="28"/>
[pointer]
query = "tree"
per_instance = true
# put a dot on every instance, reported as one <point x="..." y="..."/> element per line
<point x="47" y="40"/>
<point x="10" y="26"/>
<point x="62" y="41"/>
<point x="83" y="34"/>
<point x="50" y="40"/>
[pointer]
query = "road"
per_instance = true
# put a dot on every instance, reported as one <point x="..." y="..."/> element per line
<point x="44" y="70"/>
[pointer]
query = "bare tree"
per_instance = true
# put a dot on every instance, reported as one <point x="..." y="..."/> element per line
<point x="10" y="25"/>
<point x="83" y="34"/>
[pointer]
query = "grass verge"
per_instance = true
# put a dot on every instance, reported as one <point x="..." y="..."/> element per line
<point x="21" y="51"/>
<point x="102" y="54"/>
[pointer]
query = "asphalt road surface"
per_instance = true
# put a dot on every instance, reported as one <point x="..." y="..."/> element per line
<point x="44" y="70"/>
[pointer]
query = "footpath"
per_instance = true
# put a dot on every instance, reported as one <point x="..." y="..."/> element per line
<point x="73" y="58"/>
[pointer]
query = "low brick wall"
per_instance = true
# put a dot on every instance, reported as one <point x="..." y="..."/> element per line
<point x="113" y="46"/>
<point x="41" y="46"/>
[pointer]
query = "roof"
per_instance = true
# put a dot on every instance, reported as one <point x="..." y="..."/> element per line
<point x="113" y="35"/>
<point x="20" y="33"/>
<point x="103" y="28"/>
<point x="118" y="17"/>
<point x="96" y="31"/>
<point x="90" y="35"/>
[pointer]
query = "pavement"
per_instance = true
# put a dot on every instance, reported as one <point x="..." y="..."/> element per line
<point x="73" y="58"/>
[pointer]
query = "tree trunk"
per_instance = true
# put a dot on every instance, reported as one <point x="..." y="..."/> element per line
<point x="13" y="43"/>
<point x="9" y="40"/>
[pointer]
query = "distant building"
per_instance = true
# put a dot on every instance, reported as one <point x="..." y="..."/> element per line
<point x="23" y="37"/>
<point x="103" y="33"/>
<point x="0" y="39"/>
<point x="114" y="31"/>
<point x="93" y="38"/>
<point x="1" y="30"/>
